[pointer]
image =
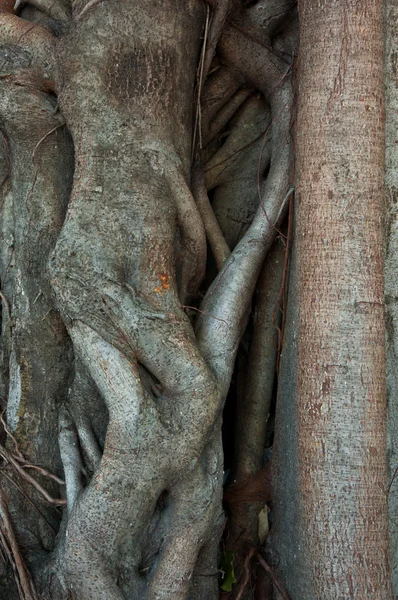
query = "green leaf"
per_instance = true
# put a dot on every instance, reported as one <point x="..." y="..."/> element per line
<point x="227" y="570"/>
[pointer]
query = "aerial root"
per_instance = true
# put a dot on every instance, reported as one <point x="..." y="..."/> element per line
<point x="19" y="464"/>
<point x="260" y="560"/>
<point x="23" y="579"/>
<point x="214" y="234"/>
<point x="213" y="29"/>
<point x="88" y="442"/>
<point x="70" y="456"/>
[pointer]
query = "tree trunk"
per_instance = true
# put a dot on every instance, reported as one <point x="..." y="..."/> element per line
<point x="391" y="274"/>
<point x="102" y="93"/>
<point x="340" y="351"/>
<point x="147" y="170"/>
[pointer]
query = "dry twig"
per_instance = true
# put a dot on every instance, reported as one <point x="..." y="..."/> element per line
<point x="198" y="114"/>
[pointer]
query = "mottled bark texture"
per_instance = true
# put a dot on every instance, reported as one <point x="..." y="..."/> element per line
<point x="340" y="344"/>
<point x="105" y="213"/>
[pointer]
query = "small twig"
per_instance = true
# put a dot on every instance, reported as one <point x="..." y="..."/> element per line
<point x="45" y="136"/>
<point x="198" y="114"/>
<point x="6" y="304"/>
<point x="37" y="297"/>
<point x="8" y="554"/>
<point x="271" y="573"/>
<point x="26" y="464"/>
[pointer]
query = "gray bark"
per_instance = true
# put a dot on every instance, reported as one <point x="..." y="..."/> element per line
<point x="108" y="245"/>
<point x="391" y="273"/>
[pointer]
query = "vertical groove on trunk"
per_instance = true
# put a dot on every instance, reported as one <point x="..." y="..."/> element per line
<point x="341" y="357"/>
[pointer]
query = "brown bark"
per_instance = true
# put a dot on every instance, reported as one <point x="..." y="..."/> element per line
<point x="341" y="357"/>
<point x="391" y="277"/>
<point x="7" y="6"/>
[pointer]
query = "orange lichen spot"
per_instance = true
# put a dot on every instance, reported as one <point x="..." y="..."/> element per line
<point x="164" y="285"/>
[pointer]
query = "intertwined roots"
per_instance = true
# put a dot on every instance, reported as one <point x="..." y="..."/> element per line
<point x="123" y="248"/>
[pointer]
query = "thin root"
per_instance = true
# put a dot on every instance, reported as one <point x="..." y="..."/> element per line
<point x="15" y="464"/>
<point x="10" y="545"/>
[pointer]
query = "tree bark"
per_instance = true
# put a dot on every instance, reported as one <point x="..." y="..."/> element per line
<point x="139" y="409"/>
<point x="391" y="274"/>
<point x="133" y="135"/>
<point x="340" y="352"/>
